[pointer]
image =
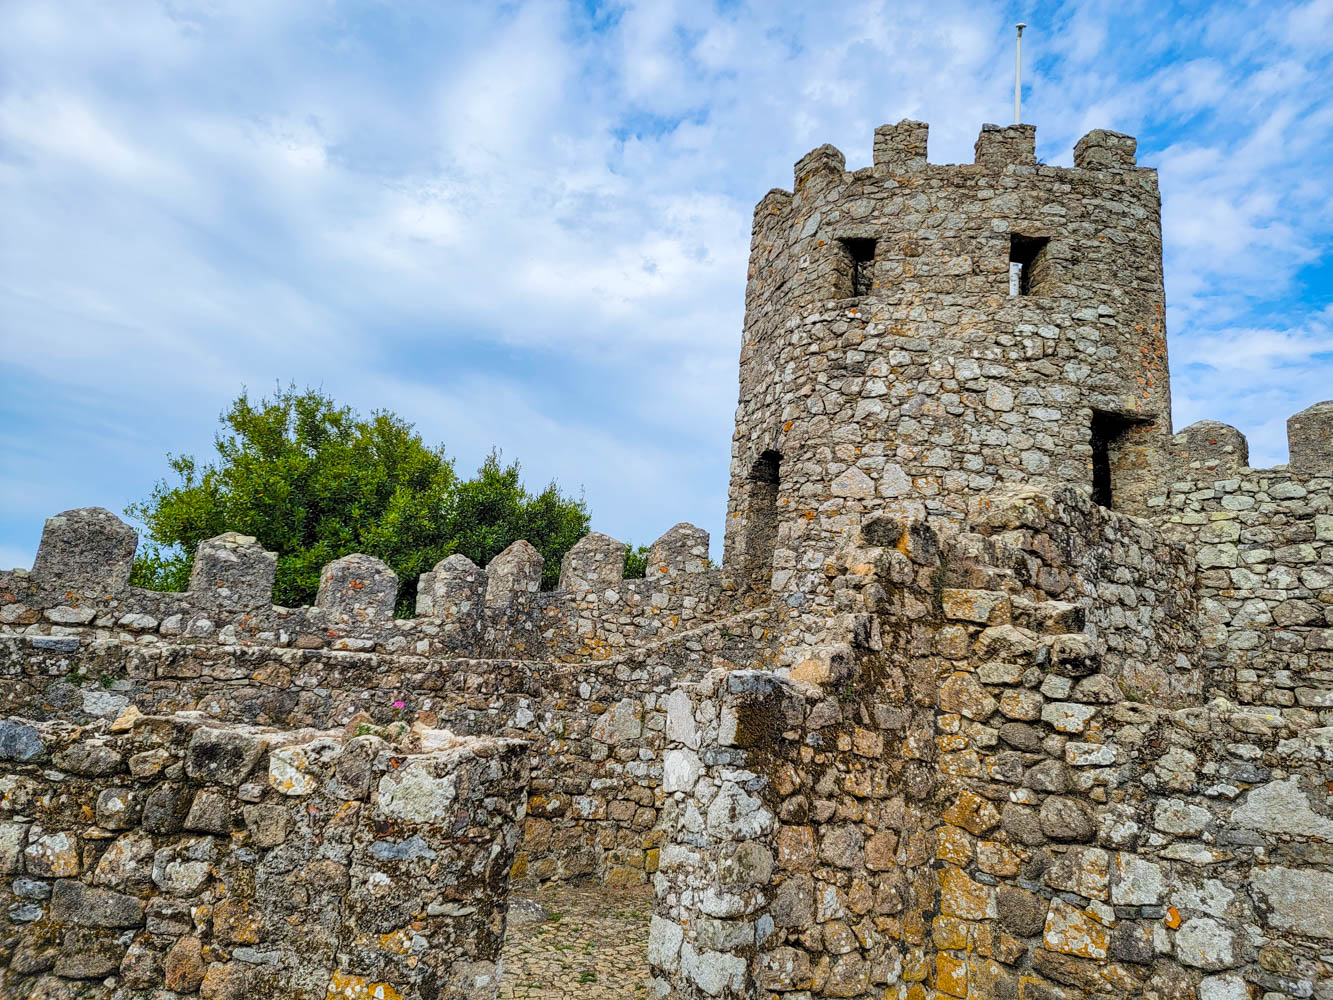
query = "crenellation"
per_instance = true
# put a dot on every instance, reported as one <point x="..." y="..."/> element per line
<point x="1102" y="149"/>
<point x="233" y="571"/>
<point x="901" y="148"/>
<point x="357" y="587"/>
<point x="825" y="161"/>
<point x="88" y="551"/>
<point x="1003" y="145"/>
<point x="1310" y="440"/>
<point x="595" y="563"/>
<point x="1210" y="446"/>
<point x="454" y="590"/>
<point x="514" y="574"/>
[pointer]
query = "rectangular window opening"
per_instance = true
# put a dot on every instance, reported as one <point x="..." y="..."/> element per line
<point x="1027" y="263"/>
<point x="861" y="258"/>
<point x="761" y="512"/>
<point x="1110" y="433"/>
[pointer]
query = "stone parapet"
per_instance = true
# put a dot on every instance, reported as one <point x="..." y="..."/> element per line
<point x="180" y="854"/>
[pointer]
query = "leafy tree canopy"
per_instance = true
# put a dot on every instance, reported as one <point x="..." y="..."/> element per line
<point x="312" y="481"/>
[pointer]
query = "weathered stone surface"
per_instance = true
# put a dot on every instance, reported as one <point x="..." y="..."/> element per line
<point x="514" y="572"/>
<point x="87" y="551"/>
<point x="1295" y="900"/>
<point x="1072" y="931"/>
<point x="224" y="755"/>
<point x="234" y="571"/>
<point x="182" y="900"/>
<point x="596" y="563"/>
<point x="358" y="587"/>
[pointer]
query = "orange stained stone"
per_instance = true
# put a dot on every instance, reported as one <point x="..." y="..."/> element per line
<point x="950" y="975"/>
<point x="949" y="932"/>
<point x="962" y="897"/>
<point x="954" y="845"/>
<point x="343" y="986"/>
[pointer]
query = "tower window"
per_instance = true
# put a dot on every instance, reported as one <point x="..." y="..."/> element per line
<point x="761" y="519"/>
<point x="860" y="260"/>
<point x="1110" y="436"/>
<point x="1027" y="264"/>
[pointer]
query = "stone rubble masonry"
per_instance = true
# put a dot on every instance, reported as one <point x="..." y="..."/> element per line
<point x="1003" y="691"/>
<point x="979" y="805"/>
<point x="609" y="650"/>
<point x="935" y="383"/>
<point x="177" y="853"/>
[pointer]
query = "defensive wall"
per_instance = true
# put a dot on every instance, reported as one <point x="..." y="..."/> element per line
<point x="1002" y="691"/>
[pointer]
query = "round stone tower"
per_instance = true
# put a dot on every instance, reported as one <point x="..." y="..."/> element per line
<point x="916" y="334"/>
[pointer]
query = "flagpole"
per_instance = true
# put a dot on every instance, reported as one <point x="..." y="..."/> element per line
<point x="1018" y="75"/>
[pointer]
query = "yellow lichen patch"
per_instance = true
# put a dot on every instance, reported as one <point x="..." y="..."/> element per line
<point x="950" y="975"/>
<point x="343" y="986"/>
<point x="961" y="897"/>
<point x="399" y="942"/>
<point x="954" y="845"/>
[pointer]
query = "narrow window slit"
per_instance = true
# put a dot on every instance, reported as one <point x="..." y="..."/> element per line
<point x="1110" y="453"/>
<point x="1027" y="264"/>
<point x="861" y="258"/>
<point x="761" y="512"/>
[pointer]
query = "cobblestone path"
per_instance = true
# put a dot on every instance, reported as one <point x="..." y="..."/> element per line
<point x="592" y="947"/>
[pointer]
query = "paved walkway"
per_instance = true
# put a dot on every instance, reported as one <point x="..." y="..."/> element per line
<point x="592" y="947"/>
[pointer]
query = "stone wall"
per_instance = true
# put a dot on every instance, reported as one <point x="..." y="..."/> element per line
<point x="977" y="802"/>
<point x="462" y="611"/>
<point x="178" y="854"/>
<point x="1264" y="542"/>
<point x="77" y="642"/>
<point x="77" y="645"/>
<point x="934" y="382"/>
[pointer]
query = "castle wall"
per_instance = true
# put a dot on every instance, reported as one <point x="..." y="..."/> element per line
<point x="935" y="383"/>
<point x="1264" y="543"/>
<point x="164" y="856"/>
<point x="595" y="725"/>
<point x="581" y="671"/>
<point x="979" y="804"/>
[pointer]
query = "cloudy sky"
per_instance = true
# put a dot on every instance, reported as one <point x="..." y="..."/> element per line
<point x="525" y="224"/>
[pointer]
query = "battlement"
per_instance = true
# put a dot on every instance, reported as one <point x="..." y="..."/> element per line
<point x="81" y="576"/>
<point x="900" y="152"/>
<point x="1208" y="446"/>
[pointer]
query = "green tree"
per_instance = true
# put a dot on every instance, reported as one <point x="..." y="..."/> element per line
<point x="636" y="561"/>
<point x="312" y="481"/>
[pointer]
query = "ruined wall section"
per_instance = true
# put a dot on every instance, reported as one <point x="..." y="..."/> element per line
<point x="932" y="381"/>
<point x="976" y="803"/>
<point x="176" y="855"/>
<point x="1264" y="544"/>
<point x="80" y="581"/>
<point x="595" y="725"/>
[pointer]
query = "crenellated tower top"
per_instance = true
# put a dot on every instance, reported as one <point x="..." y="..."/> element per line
<point x="916" y="333"/>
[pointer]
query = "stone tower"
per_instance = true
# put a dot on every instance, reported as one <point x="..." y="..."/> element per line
<point x="916" y="334"/>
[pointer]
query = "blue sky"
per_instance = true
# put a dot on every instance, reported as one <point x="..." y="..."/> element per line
<point x="526" y="224"/>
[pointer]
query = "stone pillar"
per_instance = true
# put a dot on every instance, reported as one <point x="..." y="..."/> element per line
<point x="902" y="147"/>
<point x="1210" y="446"/>
<point x="680" y="553"/>
<point x="454" y="588"/>
<point x="1101" y="149"/>
<point x="999" y="145"/>
<point x="233" y="571"/>
<point x="1310" y="440"/>
<point x="595" y="563"/>
<point x="358" y="586"/>
<point x="515" y="571"/>
<point x="89" y="551"/>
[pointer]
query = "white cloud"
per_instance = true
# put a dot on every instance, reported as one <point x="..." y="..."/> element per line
<point x="505" y="210"/>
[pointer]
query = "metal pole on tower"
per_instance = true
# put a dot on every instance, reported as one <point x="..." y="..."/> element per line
<point x="1018" y="75"/>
